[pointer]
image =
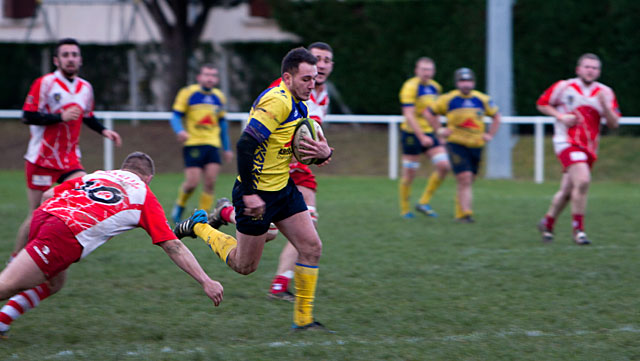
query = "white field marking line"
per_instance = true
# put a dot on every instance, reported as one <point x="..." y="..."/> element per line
<point x="469" y="251"/>
<point x="474" y="336"/>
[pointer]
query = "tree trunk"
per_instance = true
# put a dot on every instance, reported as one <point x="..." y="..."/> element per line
<point x="175" y="72"/>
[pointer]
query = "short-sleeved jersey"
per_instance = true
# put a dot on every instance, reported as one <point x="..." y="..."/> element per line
<point x="573" y="96"/>
<point x="55" y="146"/>
<point x="465" y="115"/>
<point x="103" y="204"/>
<point x="318" y="103"/>
<point x="201" y="110"/>
<point x="415" y="94"/>
<point x="272" y="121"/>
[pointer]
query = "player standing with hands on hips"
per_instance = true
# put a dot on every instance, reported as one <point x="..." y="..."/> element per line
<point x="578" y="105"/>
<point x="465" y="109"/>
<point x="56" y="106"/>
<point x="264" y="192"/>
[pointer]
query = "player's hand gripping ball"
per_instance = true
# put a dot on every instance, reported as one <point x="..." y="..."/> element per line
<point x="306" y="127"/>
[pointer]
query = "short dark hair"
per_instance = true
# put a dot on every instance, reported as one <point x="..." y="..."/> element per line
<point x="294" y="57"/>
<point x="320" y="45"/>
<point x="207" y="66"/>
<point x="425" y="59"/>
<point x="591" y="56"/>
<point x="140" y="163"/>
<point x="65" y="41"/>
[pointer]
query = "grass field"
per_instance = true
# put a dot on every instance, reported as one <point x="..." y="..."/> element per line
<point x="393" y="289"/>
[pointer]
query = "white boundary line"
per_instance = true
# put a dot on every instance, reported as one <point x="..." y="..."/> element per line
<point x="473" y="336"/>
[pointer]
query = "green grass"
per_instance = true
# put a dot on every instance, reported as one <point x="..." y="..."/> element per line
<point x="393" y="289"/>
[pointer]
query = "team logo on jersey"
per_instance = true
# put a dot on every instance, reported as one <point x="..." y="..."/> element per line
<point x="206" y="121"/>
<point x="570" y="99"/>
<point x="208" y="99"/>
<point x="57" y="97"/>
<point x="469" y="123"/>
<point x="100" y="193"/>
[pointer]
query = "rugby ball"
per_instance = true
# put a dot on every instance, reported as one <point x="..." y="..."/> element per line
<point x="306" y="127"/>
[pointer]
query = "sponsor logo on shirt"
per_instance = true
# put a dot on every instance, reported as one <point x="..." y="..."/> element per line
<point x="41" y="180"/>
<point x="42" y="253"/>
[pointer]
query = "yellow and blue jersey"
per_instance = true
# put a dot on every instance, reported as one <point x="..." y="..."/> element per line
<point x="202" y="111"/>
<point x="465" y="115"/>
<point x="418" y="95"/>
<point x="272" y="121"/>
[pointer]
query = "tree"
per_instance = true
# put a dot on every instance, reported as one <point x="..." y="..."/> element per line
<point x="181" y="23"/>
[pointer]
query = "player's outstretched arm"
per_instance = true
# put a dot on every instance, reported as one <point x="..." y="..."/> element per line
<point x="183" y="258"/>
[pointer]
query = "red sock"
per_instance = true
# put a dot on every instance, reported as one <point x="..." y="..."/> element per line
<point x="225" y="213"/>
<point x="21" y="303"/>
<point x="549" y="221"/>
<point x="279" y="284"/>
<point x="578" y="222"/>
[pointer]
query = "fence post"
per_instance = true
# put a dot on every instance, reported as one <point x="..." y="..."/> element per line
<point x="538" y="152"/>
<point x="393" y="149"/>
<point x="108" y="145"/>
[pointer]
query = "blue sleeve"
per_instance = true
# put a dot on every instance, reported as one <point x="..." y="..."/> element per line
<point x="224" y="134"/>
<point x="176" y="122"/>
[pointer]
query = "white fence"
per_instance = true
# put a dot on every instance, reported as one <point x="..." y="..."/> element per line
<point x="391" y="120"/>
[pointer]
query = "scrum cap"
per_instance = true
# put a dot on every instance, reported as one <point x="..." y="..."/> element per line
<point x="464" y="74"/>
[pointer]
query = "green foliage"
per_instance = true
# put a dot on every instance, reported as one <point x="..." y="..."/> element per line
<point x="377" y="43"/>
<point x="549" y="36"/>
<point x="254" y="66"/>
<point x="19" y="66"/>
<point x="421" y="289"/>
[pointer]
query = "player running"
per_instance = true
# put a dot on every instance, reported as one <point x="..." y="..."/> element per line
<point x="77" y="217"/>
<point x="418" y="138"/>
<point x="264" y="192"/>
<point x="55" y="109"/>
<point x="301" y="174"/>
<point x="578" y="105"/>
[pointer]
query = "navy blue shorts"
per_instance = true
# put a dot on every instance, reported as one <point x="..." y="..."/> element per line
<point x="200" y="155"/>
<point x="463" y="158"/>
<point x="411" y="145"/>
<point x="279" y="205"/>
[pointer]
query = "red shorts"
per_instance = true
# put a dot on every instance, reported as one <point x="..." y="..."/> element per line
<point x="573" y="155"/>
<point x="40" y="178"/>
<point x="302" y="175"/>
<point x="52" y="245"/>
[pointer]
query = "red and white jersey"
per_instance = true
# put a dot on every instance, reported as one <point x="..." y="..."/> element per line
<point x="573" y="96"/>
<point x="103" y="204"/>
<point x="318" y="104"/>
<point x="55" y="146"/>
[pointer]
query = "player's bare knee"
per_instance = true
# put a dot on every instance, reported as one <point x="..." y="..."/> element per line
<point x="311" y="251"/>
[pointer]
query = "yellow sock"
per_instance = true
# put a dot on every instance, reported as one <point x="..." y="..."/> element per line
<point x="404" y="191"/>
<point x="220" y="243"/>
<point x="306" y="279"/>
<point x="206" y="201"/>
<point x="432" y="185"/>
<point x="183" y="197"/>
<point x="459" y="213"/>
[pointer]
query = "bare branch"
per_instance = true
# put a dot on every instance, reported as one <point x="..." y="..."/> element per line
<point x="159" y="17"/>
